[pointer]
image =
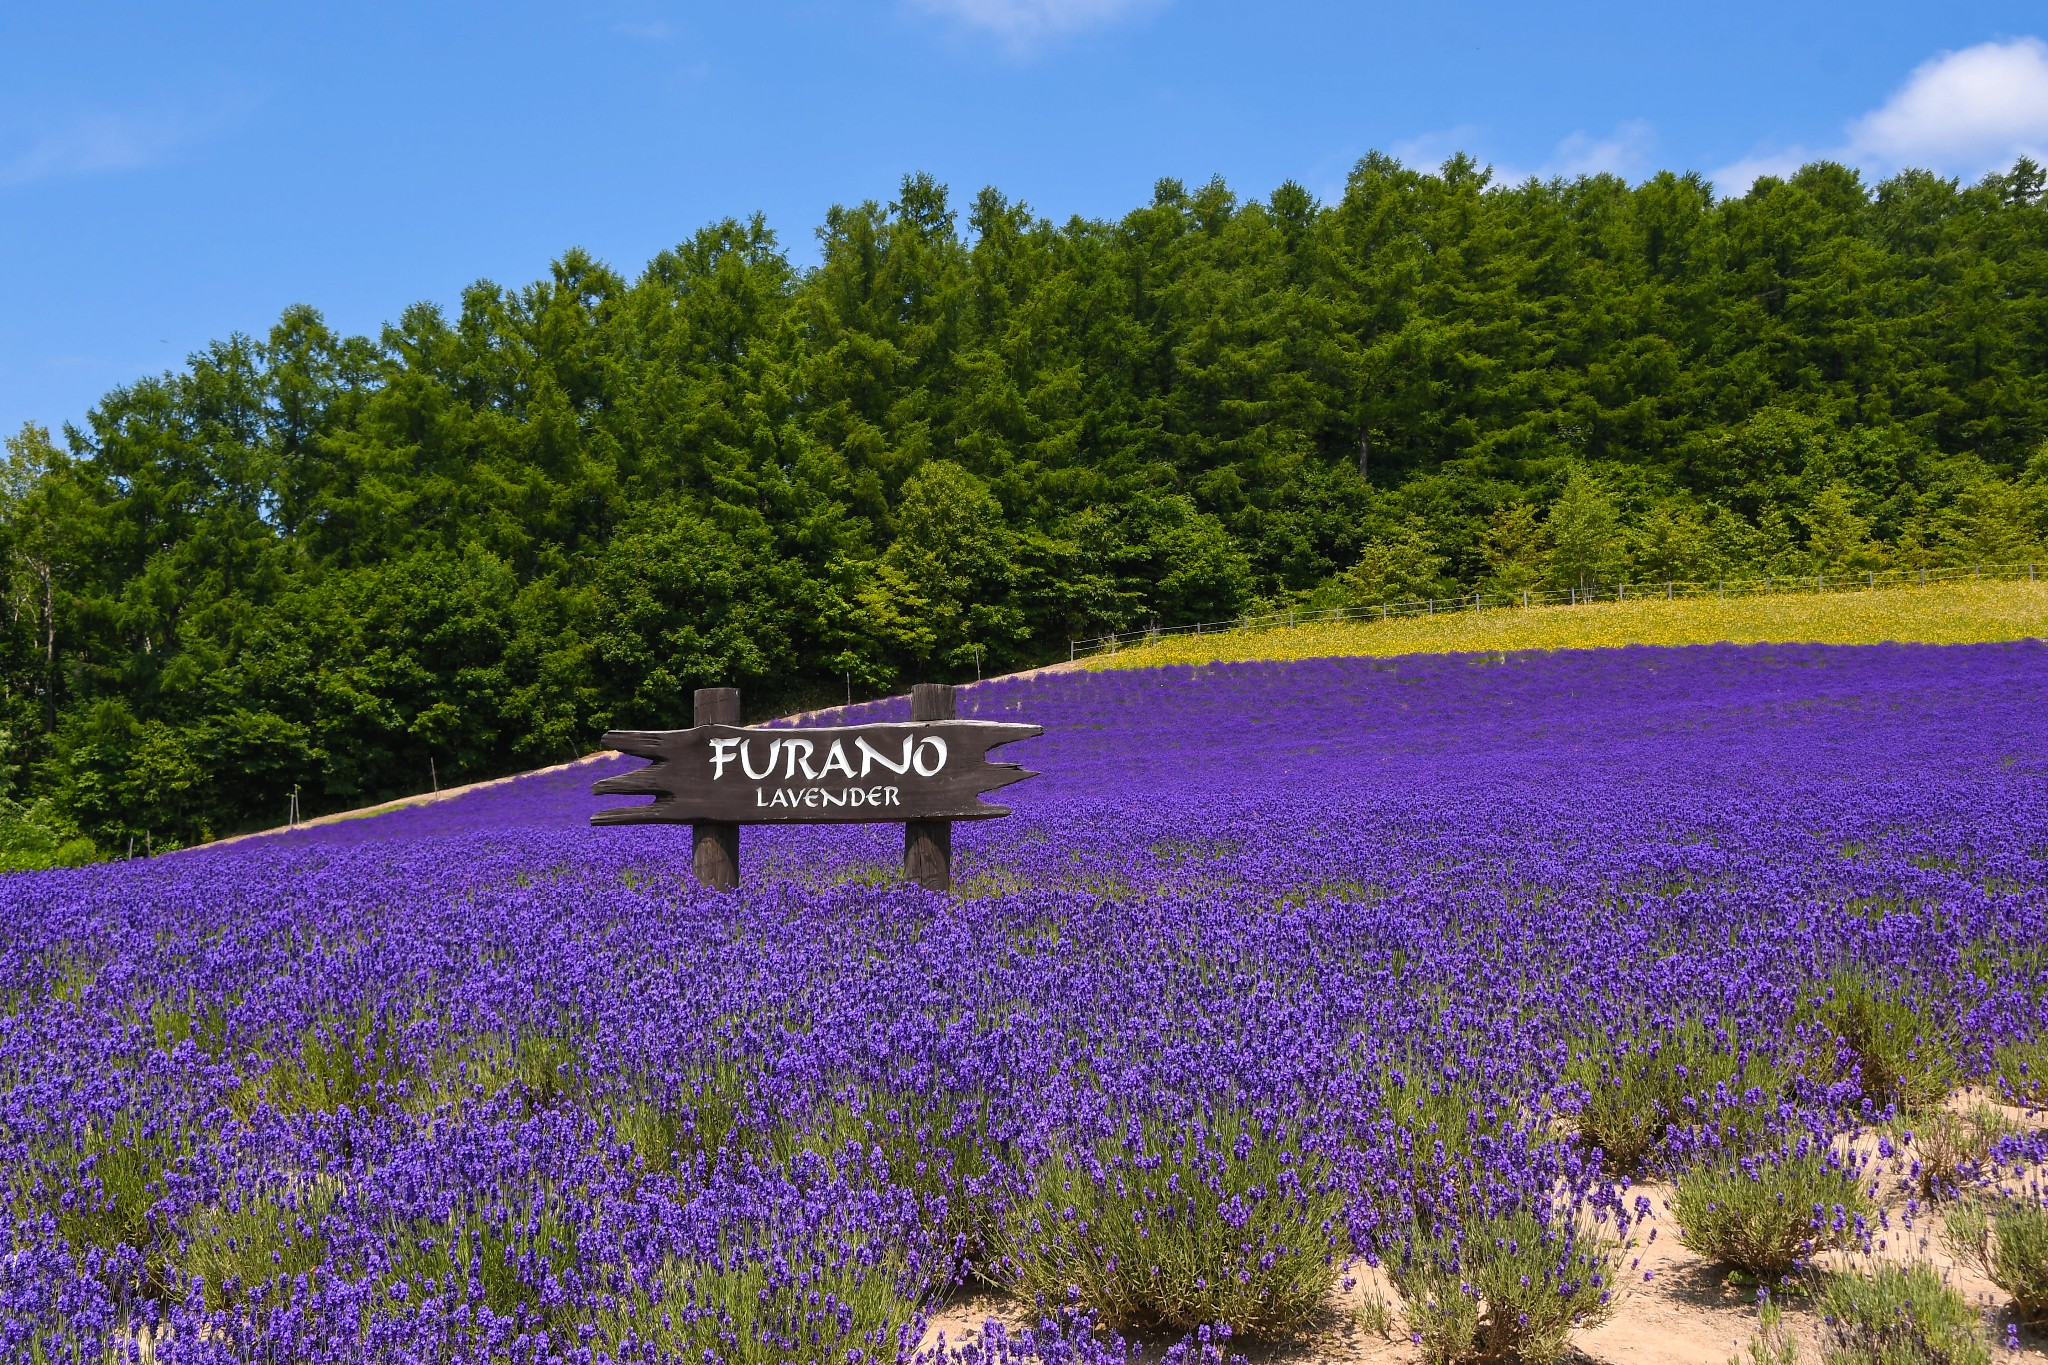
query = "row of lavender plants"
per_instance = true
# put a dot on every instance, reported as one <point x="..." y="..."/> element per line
<point x="1279" y="971"/>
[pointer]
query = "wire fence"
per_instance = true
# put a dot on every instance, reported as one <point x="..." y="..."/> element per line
<point x="1867" y="581"/>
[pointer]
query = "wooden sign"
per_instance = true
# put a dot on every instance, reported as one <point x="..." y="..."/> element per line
<point x="719" y="775"/>
<point x="930" y="770"/>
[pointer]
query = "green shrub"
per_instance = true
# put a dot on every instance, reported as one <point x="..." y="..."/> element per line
<point x="541" y="1066"/>
<point x="1768" y="1216"/>
<point x="1903" y="1052"/>
<point x="1898" y="1316"/>
<point x="833" y="1305"/>
<point x="189" y="1017"/>
<point x="685" y="1124"/>
<point x="1946" y="1146"/>
<point x="498" y="1254"/>
<point x="267" y="1237"/>
<point x="2006" y="1240"/>
<point x="938" y="1147"/>
<point x="1223" y="1219"/>
<point x="104" y="1185"/>
<point x="1641" y="1087"/>
<point x="1772" y="1343"/>
<point x="34" y="836"/>
<point x="71" y="970"/>
<point x="1436" y="1121"/>
<point x="351" y="1063"/>
<point x="1505" y="1288"/>
<point x="2021" y="1070"/>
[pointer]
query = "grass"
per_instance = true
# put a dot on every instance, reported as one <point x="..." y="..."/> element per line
<point x="1772" y="1343"/>
<point x="1767" y="1218"/>
<point x="2021" y="1071"/>
<point x="842" y="1302"/>
<point x="352" y="1062"/>
<point x="1223" y="1220"/>
<point x="1640" y="1087"/>
<point x="1948" y="1147"/>
<point x="1505" y="1288"/>
<point x="1899" y="1316"/>
<point x="1946" y="613"/>
<point x="269" y="1237"/>
<point x="2007" y="1241"/>
<point x="1902" y="1050"/>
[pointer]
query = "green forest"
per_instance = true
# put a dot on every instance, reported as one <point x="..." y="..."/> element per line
<point x="967" y="435"/>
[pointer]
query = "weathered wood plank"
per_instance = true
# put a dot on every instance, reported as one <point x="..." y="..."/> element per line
<point x="889" y="771"/>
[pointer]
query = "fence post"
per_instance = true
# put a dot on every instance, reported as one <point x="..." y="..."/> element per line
<point x="715" y="844"/>
<point x="928" y="844"/>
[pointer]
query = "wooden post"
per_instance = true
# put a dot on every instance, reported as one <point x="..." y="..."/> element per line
<point x="928" y="844"/>
<point x="714" y="844"/>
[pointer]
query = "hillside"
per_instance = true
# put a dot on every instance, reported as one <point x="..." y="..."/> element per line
<point x="1276" y="972"/>
<point x="357" y="565"/>
<point x="1958" y="613"/>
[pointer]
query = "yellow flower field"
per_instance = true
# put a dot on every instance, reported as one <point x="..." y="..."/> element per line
<point x="1948" y="613"/>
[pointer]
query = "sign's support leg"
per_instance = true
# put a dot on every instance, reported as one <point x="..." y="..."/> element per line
<point x="928" y="844"/>
<point x="715" y="844"/>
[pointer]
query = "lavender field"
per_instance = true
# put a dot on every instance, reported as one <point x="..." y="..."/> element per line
<point x="1279" y="973"/>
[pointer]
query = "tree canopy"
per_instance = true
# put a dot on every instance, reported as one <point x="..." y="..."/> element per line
<point x="473" y="543"/>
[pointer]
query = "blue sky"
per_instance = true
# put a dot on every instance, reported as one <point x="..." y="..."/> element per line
<point x="170" y="174"/>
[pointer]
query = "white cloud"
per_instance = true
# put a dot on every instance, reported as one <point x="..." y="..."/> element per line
<point x="1981" y="106"/>
<point x="1023" y="22"/>
<point x="1625" y="151"/>
<point x="89" y="144"/>
<point x="1961" y="113"/>
<point x="1432" y="149"/>
<point x="1737" y="176"/>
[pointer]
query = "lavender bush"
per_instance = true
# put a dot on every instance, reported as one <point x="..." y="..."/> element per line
<point x="1278" y="966"/>
<point x="2003" y="1230"/>
<point x="1769" y="1215"/>
<point x="1896" y="1313"/>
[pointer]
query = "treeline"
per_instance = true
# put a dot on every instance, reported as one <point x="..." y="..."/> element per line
<point x="473" y="543"/>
